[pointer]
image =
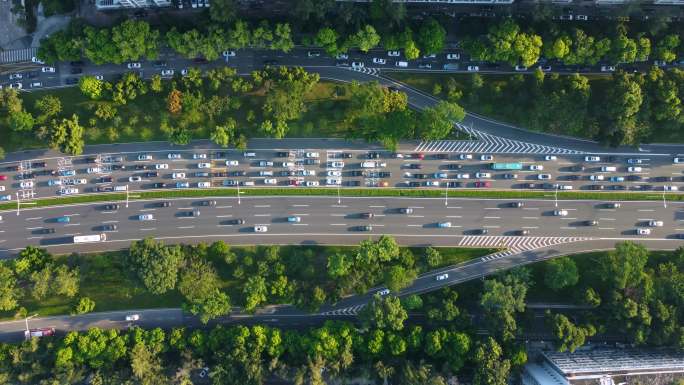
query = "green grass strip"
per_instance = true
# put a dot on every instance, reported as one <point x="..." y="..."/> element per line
<point x="347" y="192"/>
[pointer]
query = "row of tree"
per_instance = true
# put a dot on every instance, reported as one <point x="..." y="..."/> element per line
<point x="626" y="108"/>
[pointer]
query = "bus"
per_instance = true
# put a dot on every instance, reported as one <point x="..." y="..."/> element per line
<point x="506" y="166"/>
<point x="90" y="238"/>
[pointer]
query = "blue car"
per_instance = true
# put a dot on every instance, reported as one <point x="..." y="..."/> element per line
<point x="64" y="219"/>
<point x="182" y="184"/>
<point x="617" y="179"/>
<point x="67" y="173"/>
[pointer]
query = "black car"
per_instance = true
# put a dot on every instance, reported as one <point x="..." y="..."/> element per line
<point x="270" y="62"/>
<point x="572" y="177"/>
<point x="32" y="74"/>
<point x="220" y="174"/>
<point x="364" y="228"/>
<point x="414" y="184"/>
<point x="218" y="155"/>
<point x="140" y="167"/>
<point x="201" y="174"/>
<point x="46" y="172"/>
<point x="12" y="168"/>
<point x="633" y="178"/>
<point x="420" y="176"/>
<point x="516" y="205"/>
<point x="238" y="221"/>
<point x="597" y="187"/>
<point x="103" y="189"/>
<point x="238" y="173"/>
<point x="207" y="203"/>
<point x="282" y="154"/>
<point x="373" y="155"/>
<point x="441" y="156"/>
<point x="384" y="174"/>
<point x="352" y="183"/>
<point x="509" y="176"/>
<point x="529" y="185"/>
<point x="522" y="232"/>
<point x="366" y="215"/>
<point x="71" y="81"/>
<point x="192" y="213"/>
<point x="159" y="185"/>
<point x="104" y="179"/>
<point x="591" y="223"/>
<point x="27" y="175"/>
<point x="286" y="173"/>
<point x="345" y="155"/>
<point x="356" y="173"/>
<point x="481" y="231"/>
<point x="47" y="231"/>
<point x="38" y="164"/>
<point x="151" y="174"/>
<point x="91" y="159"/>
<point x="415" y="166"/>
<point x="617" y="187"/>
<point x="577" y="168"/>
<point x="199" y="60"/>
<point x="159" y="63"/>
<point x="453" y="184"/>
<point x="310" y="161"/>
<point x="118" y="167"/>
<point x="111" y="207"/>
<point x="454" y="166"/>
<point x="109" y="227"/>
<point x="76" y="70"/>
<point x="164" y="204"/>
<point x="662" y="179"/>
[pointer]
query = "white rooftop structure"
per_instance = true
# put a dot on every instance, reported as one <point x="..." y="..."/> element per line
<point x="119" y="4"/>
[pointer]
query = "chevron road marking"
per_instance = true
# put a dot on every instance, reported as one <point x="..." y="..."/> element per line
<point x="514" y="245"/>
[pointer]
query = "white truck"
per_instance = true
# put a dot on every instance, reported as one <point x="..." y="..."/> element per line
<point x="373" y="164"/>
<point x="90" y="238"/>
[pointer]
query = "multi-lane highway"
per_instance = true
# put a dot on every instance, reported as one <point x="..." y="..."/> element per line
<point x="326" y="167"/>
<point x="516" y="224"/>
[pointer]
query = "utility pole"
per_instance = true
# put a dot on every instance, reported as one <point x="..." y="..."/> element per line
<point x="556" y="197"/>
<point x="126" y="196"/>
<point x="446" y="193"/>
<point x="26" y="320"/>
<point x="18" y="203"/>
<point x="238" y="186"/>
<point x="664" y="201"/>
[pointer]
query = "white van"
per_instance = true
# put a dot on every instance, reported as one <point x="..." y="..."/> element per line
<point x="608" y="168"/>
<point x="266" y="173"/>
<point x="402" y="64"/>
<point x="249" y="154"/>
<point x="120" y="188"/>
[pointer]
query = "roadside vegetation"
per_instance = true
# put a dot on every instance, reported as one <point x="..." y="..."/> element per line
<point x="623" y="108"/>
<point x="630" y="293"/>
<point x="207" y="279"/>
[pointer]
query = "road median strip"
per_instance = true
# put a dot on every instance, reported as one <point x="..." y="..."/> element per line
<point x="351" y="192"/>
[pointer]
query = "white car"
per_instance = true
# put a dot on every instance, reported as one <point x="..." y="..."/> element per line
<point x="473" y="68"/>
<point x="15" y="76"/>
<point x="178" y="175"/>
<point x="592" y="158"/>
<point x="26" y="184"/>
<point x="358" y="64"/>
<point x="453" y="56"/>
<point x="561" y="213"/>
<point x="312" y="155"/>
<point x="596" y="177"/>
<point x="99" y="77"/>
<point x="550" y="157"/>
<point x="134" y="179"/>
<point x="2" y="188"/>
<point x="68" y="191"/>
<point x="265" y="163"/>
<point x="333" y="182"/>
<point x="644" y="231"/>
<point x="678" y="160"/>
<point x="80" y="181"/>
<point x="199" y="156"/>
<point x="266" y="173"/>
<point x="432" y="183"/>
<point x="307" y="172"/>
<point x="161" y="166"/>
<point x="634" y="169"/>
<point x="462" y="176"/>
<point x="203" y="184"/>
<point x="607" y="68"/>
<point x="520" y="68"/>
<point x="36" y="60"/>
<point x="377" y="60"/>
<point x="184" y="72"/>
<point x="228" y="53"/>
<point x="393" y="53"/>
<point x="167" y="73"/>
<point x="144" y="157"/>
<point x="334" y="173"/>
<point x="6" y="197"/>
<point x="544" y="176"/>
<point x="287" y="164"/>
<point x="133" y="65"/>
<point x="442" y="277"/>
<point x="174" y="155"/>
<point x="536" y="167"/>
<point x="232" y="163"/>
<point x="383" y="292"/>
<point x="564" y="187"/>
<point x="145" y="217"/>
<point x="48" y="69"/>
<point x="654" y="223"/>
<point x="337" y="164"/>
<point x="486" y="157"/>
<point x="203" y="165"/>
<point x="670" y="188"/>
<point x="260" y="229"/>
<point x="635" y="161"/>
<point x="311" y="183"/>
<point x="36" y="85"/>
<point x="132" y="317"/>
<point x="465" y="156"/>
<point x="270" y="181"/>
<point x="483" y="175"/>
<point x="342" y="56"/>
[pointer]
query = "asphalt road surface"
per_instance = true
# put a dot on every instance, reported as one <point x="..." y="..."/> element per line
<point x="322" y="220"/>
<point x="206" y="167"/>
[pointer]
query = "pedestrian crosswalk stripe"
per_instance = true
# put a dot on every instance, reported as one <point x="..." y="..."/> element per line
<point x="17" y="55"/>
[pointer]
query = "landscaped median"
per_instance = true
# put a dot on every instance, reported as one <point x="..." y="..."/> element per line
<point x="350" y="192"/>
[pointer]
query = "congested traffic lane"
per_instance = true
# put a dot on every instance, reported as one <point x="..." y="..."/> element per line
<point x="324" y="220"/>
<point x="164" y="169"/>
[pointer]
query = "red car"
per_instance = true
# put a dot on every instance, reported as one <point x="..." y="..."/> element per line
<point x="3" y="177"/>
<point x="418" y="156"/>
<point x="295" y="182"/>
<point x="483" y="184"/>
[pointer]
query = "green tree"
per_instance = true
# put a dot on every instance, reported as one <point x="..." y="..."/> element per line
<point x="282" y="38"/>
<point x="490" y="367"/>
<point x="8" y="291"/>
<point x="146" y="365"/>
<point x="438" y="122"/>
<point x="49" y="107"/>
<point x="135" y="39"/>
<point x="155" y="264"/>
<point x="156" y="83"/>
<point x="222" y="11"/>
<point x="433" y="257"/>
<point x="221" y="135"/>
<point x="90" y="86"/>
<point x="398" y="277"/>
<point x="666" y="48"/>
<point x="365" y="39"/>
<point x="255" y="292"/>
<point x="431" y="37"/>
<point x="383" y="313"/>
<point x="99" y="47"/>
<point x="339" y="265"/>
<point x="21" y="121"/>
<point x="624" y="266"/>
<point x="66" y="135"/>
<point x="66" y="281"/>
<point x="327" y="39"/>
<point x="569" y="336"/>
<point x="502" y="298"/>
<point x="40" y="282"/>
<point x="560" y="273"/>
<point x="84" y="305"/>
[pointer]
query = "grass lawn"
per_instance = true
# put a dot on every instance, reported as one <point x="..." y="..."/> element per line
<point x="106" y="279"/>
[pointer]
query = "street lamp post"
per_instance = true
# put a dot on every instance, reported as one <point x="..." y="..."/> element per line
<point x="446" y="193"/>
<point x="126" y="196"/>
<point x="28" y="331"/>
<point x="18" y="203"/>
<point x="238" y="186"/>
